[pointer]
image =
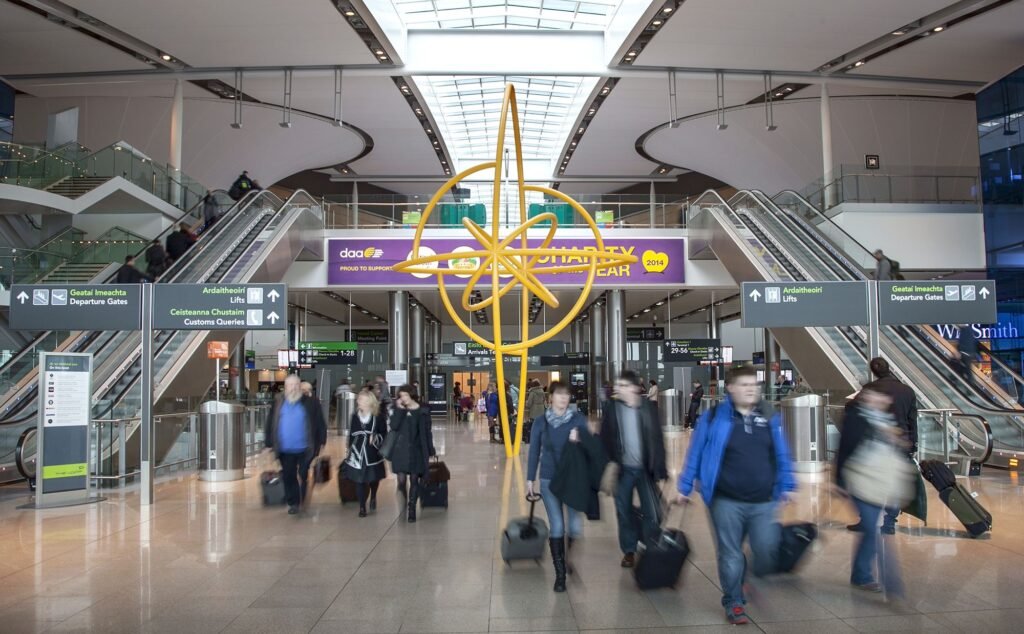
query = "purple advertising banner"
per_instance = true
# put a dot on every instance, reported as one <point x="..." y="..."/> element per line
<point x="368" y="261"/>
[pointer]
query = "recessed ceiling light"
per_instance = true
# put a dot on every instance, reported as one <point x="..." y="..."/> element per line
<point x="938" y="29"/>
<point x="631" y="54"/>
<point x="899" y="32"/>
<point x="859" y="62"/>
<point x="668" y="10"/>
<point x="350" y="13"/>
<point x="656" y="23"/>
<point x="166" y="57"/>
<point x="379" y="52"/>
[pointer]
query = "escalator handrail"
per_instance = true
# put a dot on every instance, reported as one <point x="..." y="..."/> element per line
<point x="824" y="218"/>
<point x="284" y="207"/>
<point x="161" y="236"/>
<point x="244" y="203"/>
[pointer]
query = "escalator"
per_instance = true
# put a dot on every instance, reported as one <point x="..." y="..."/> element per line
<point x="757" y="241"/>
<point x="256" y="242"/>
<point x="921" y="348"/>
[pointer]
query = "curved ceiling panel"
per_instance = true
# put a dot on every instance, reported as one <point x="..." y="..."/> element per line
<point x="902" y="131"/>
<point x="212" y="152"/>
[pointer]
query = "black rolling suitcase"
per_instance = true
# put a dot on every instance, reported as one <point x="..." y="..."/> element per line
<point x="524" y="537"/>
<point x="660" y="562"/>
<point x="794" y="540"/>
<point x="346" y="487"/>
<point x="939" y="474"/>
<point x="272" y="487"/>
<point x="433" y="494"/>
<point x="968" y="510"/>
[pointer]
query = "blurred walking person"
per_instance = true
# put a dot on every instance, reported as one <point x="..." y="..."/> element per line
<point x="696" y="396"/>
<point x="364" y="465"/>
<point x="295" y="430"/>
<point x="552" y="430"/>
<point x="741" y="458"/>
<point x="413" y="447"/>
<point x="493" y="411"/>
<point x="156" y="259"/>
<point x="904" y="411"/>
<point x="872" y="468"/>
<point x="633" y="440"/>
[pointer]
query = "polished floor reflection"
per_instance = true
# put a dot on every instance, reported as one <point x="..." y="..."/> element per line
<point x="210" y="558"/>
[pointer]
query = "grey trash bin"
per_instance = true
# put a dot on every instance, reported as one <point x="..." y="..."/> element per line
<point x="803" y="422"/>
<point x="668" y="408"/>
<point x="221" y="441"/>
<point x="343" y="412"/>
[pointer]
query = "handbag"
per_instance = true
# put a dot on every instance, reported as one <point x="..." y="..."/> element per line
<point x="388" y="448"/>
<point x="878" y="474"/>
<point x="322" y="469"/>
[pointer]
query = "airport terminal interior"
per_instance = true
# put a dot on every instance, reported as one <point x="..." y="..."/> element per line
<point x="316" y="315"/>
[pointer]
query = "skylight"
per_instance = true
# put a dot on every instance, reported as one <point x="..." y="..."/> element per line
<point x="469" y="108"/>
<point x="507" y="14"/>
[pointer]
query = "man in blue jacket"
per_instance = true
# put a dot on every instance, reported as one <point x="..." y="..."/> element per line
<point x="740" y="456"/>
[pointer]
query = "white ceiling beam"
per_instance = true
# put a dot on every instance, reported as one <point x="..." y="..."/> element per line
<point x="585" y="70"/>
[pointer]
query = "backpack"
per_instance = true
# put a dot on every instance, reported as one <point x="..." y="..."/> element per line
<point x="894" y="268"/>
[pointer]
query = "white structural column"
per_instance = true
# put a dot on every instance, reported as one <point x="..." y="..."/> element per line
<point x="826" y="148"/>
<point x="174" y="157"/>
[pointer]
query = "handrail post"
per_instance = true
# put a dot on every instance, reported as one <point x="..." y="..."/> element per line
<point x="945" y="435"/>
<point x="122" y="451"/>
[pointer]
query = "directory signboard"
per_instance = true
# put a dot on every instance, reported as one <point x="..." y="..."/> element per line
<point x="703" y="351"/>
<point x="927" y="302"/>
<point x="328" y="352"/>
<point x="65" y="388"/>
<point x="219" y="306"/>
<point x="802" y="304"/>
<point x="568" y="358"/>
<point x="76" y="307"/>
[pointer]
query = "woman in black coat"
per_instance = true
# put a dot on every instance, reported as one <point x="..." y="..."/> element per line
<point x="364" y="464"/>
<point x="413" y="447"/>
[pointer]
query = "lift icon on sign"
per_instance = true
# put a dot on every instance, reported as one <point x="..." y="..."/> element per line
<point x="773" y="295"/>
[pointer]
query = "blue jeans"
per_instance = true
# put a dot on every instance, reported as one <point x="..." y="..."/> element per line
<point x="874" y="547"/>
<point x="631" y="531"/>
<point x="556" y="514"/>
<point x="733" y="521"/>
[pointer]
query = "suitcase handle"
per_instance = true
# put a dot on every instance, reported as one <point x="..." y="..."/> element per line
<point x="532" y="499"/>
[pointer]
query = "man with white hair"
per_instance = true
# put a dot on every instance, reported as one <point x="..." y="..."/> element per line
<point x="296" y="431"/>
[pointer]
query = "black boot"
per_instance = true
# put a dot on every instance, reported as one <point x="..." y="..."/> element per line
<point x="568" y="564"/>
<point x="558" y="557"/>
<point x="411" y="515"/>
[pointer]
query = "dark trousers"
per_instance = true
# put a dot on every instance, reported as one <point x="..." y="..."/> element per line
<point x="362" y="489"/>
<point x="295" y="475"/>
<point x="413" y="491"/>
<point x="631" y="531"/>
<point x="692" y="414"/>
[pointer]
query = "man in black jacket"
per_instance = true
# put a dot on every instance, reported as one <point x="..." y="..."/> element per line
<point x="693" y="412"/>
<point x="904" y="410"/>
<point x="128" y="274"/>
<point x="296" y="431"/>
<point x="178" y="242"/>
<point x="632" y="439"/>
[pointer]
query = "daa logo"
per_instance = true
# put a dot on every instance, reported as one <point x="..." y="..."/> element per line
<point x="369" y="253"/>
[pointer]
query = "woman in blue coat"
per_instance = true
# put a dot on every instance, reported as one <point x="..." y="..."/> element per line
<point x="551" y="431"/>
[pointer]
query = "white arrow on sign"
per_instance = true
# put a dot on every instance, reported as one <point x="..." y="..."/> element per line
<point x="22" y="296"/>
<point x="983" y="292"/>
<point x="273" y="295"/>
<point x="272" y="318"/>
<point x="755" y="294"/>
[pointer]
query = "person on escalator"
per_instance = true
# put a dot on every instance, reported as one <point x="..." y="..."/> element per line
<point x="883" y="266"/>
<point x="178" y="242"/>
<point x="156" y="259"/>
<point x="211" y="210"/>
<point x="967" y="346"/>
<point x="242" y="186"/>
<point x="903" y="407"/>
<point x="128" y="274"/>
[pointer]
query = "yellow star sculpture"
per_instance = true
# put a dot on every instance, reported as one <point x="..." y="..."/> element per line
<point x="499" y="258"/>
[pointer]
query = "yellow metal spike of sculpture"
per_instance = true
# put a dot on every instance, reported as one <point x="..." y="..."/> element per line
<point x="499" y="258"/>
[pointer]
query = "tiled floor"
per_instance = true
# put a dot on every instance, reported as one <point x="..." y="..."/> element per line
<point x="210" y="558"/>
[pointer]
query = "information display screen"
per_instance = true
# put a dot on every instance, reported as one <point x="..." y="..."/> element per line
<point x="328" y="352"/>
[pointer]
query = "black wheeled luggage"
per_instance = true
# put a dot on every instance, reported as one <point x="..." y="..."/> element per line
<point x="660" y="562"/>
<point x="794" y="540"/>
<point x="346" y="487"/>
<point x="968" y="510"/>
<point x="524" y="537"/>
<point x="939" y="474"/>
<point x="272" y="487"/>
<point x="433" y="494"/>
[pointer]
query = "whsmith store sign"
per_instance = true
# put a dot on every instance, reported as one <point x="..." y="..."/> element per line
<point x="366" y="262"/>
<point x="985" y="332"/>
